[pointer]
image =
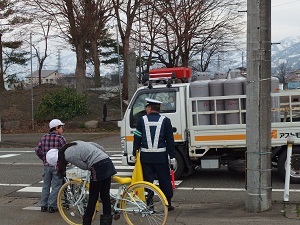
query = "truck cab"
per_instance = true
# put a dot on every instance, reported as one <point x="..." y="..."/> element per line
<point x="173" y="101"/>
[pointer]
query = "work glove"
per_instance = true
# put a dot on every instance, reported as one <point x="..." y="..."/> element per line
<point x="133" y="158"/>
<point x="173" y="164"/>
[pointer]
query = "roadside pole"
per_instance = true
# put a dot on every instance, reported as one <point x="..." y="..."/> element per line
<point x="259" y="190"/>
<point x="286" y="195"/>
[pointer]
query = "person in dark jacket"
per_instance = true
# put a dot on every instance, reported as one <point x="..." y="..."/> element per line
<point x="154" y="139"/>
<point x="90" y="156"/>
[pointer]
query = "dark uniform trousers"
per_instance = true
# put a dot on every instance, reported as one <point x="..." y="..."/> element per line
<point x="162" y="171"/>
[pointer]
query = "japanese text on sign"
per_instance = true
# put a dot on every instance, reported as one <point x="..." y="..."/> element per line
<point x="286" y="135"/>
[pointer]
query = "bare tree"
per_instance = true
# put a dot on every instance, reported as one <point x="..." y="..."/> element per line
<point x="42" y="57"/>
<point x="126" y="14"/>
<point x="80" y="22"/>
<point x="43" y="25"/>
<point x="283" y="74"/>
<point x="100" y="13"/>
<point x="64" y="13"/>
<point x="149" y="35"/>
<point x="186" y="29"/>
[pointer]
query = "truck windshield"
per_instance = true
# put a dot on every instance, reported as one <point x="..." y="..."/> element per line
<point x="168" y="99"/>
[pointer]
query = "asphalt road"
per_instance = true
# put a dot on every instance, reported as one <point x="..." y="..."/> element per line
<point x="207" y="191"/>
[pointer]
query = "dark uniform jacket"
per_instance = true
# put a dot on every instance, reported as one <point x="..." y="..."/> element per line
<point x="165" y="140"/>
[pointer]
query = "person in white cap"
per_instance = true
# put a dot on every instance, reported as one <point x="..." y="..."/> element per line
<point x="52" y="140"/>
<point x="154" y="139"/>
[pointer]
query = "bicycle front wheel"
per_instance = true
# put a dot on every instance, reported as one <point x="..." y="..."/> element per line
<point x="144" y="203"/>
<point x="71" y="210"/>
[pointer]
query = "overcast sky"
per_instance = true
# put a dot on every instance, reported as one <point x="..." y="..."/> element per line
<point x="285" y="20"/>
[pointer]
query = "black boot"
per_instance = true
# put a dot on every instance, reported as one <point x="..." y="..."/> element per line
<point x="105" y="220"/>
<point x="150" y="203"/>
<point x="170" y="207"/>
<point x="86" y="221"/>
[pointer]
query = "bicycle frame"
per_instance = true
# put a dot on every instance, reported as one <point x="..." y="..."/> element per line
<point x="129" y="200"/>
<point x="118" y="198"/>
<point x="83" y="192"/>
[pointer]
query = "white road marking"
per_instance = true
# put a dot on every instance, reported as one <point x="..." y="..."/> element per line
<point x="39" y="189"/>
<point x="123" y="171"/>
<point x="282" y="190"/>
<point x="31" y="189"/>
<point x="8" y="156"/>
<point x="226" y="189"/>
<point x="15" y="185"/>
<point x="18" y="151"/>
<point x="177" y="182"/>
<point x="35" y="208"/>
<point x="124" y="167"/>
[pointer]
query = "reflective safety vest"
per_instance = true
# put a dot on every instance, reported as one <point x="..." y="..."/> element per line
<point x="153" y="148"/>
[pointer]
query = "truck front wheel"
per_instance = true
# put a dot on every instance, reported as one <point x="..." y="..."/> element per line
<point x="295" y="165"/>
<point x="180" y="165"/>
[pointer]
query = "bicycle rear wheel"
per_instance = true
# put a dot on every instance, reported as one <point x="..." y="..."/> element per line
<point x="67" y="196"/>
<point x="140" y="210"/>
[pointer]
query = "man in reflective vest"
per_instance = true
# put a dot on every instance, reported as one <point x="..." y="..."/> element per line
<point x="154" y="139"/>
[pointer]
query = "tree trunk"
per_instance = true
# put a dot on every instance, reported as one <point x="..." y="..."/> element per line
<point x="80" y="69"/>
<point x="125" y="72"/>
<point x="2" y="87"/>
<point x="96" y="63"/>
<point x="185" y="59"/>
<point x="40" y="74"/>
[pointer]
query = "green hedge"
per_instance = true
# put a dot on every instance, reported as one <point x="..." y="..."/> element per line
<point x="64" y="104"/>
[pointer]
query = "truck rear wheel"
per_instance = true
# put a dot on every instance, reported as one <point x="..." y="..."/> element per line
<point x="237" y="165"/>
<point x="295" y="165"/>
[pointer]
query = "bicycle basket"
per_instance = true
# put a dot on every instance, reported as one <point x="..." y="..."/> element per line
<point x="75" y="172"/>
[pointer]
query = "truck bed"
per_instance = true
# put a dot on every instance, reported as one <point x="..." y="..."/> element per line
<point x="285" y="114"/>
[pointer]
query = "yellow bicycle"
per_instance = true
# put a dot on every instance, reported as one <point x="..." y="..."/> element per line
<point x="141" y="203"/>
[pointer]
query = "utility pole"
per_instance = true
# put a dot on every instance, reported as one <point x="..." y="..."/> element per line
<point x="32" y="96"/>
<point x="58" y="61"/>
<point x="140" y="46"/>
<point x="259" y="189"/>
<point x="242" y="59"/>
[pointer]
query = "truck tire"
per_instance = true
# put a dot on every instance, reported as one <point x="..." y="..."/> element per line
<point x="180" y="165"/>
<point x="236" y="166"/>
<point x="295" y="165"/>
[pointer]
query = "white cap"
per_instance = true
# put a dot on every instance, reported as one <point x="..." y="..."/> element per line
<point x="151" y="101"/>
<point x="52" y="156"/>
<point x="55" y="123"/>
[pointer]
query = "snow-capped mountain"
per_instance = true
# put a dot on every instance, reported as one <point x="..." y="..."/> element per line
<point x="288" y="52"/>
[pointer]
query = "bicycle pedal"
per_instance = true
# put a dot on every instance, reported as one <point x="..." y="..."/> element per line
<point x="67" y="206"/>
<point x="117" y="216"/>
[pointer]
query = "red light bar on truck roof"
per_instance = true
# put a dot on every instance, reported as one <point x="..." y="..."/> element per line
<point x="161" y="76"/>
<point x="167" y="73"/>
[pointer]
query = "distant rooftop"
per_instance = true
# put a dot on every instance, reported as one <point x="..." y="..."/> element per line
<point x="45" y="73"/>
